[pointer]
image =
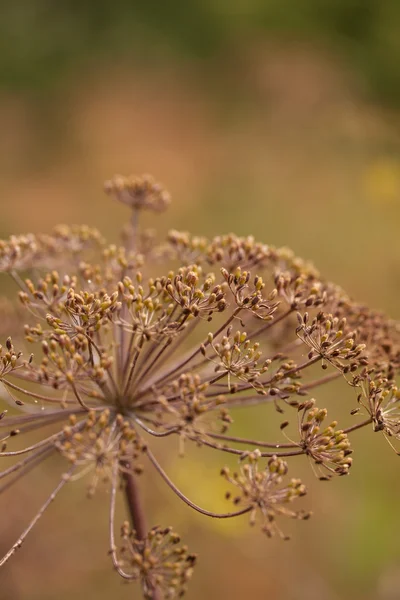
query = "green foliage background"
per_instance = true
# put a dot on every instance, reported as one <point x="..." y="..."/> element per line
<point x="41" y="42"/>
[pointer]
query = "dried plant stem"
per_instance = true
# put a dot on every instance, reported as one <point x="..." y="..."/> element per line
<point x="182" y="496"/>
<point x="136" y="512"/>
<point x="242" y="453"/>
<point x="134" y="505"/>
<point x="32" y="394"/>
<point x="358" y="425"/>
<point x="257" y="443"/>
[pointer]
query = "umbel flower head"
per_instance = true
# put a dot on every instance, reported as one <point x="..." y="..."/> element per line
<point x="162" y="340"/>
<point x="158" y="561"/>
<point x="263" y="492"/>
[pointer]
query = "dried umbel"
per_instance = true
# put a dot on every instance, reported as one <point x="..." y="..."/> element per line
<point x="145" y="341"/>
<point x="138" y="192"/>
<point x="329" y="448"/>
<point x="262" y="490"/>
<point x="158" y="561"/>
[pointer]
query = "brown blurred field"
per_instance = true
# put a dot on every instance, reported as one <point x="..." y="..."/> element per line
<point x="282" y="143"/>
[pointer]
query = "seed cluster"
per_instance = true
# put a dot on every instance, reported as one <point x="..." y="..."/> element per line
<point x="158" y="561"/>
<point x="381" y="400"/>
<point x="264" y="494"/>
<point x="98" y="445"/>
<point x="138" y="192"/>
<point x="328" y="447"/>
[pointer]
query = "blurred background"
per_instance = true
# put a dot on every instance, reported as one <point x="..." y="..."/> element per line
<point x="277" y="118"/>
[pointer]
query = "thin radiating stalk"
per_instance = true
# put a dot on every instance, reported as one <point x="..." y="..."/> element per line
<point x="322" y="380"/>
<point x="36" y="446"/>
<point x="113" y="547"/>
<point x="175" y="370"/>
<point x="34" y="394"/>
<point x="156" y="433"/>
<point x="358" y="426"/>
<point x="258" y="443"/>
<point x="20" y="464"/>
<point x="36" y="518"/>
<point x="26" y="469"/>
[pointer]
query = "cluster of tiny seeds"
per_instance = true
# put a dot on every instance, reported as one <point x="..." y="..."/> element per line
<point x="326" y="338"/>
<point x="114" y="263"/>
<point x="48" y="294"/>
<point x="263" y="492"/>
<point x="234" y="251"/>
<point x="191" y="413"/>
<point x="382" y="338"/>
<point x="381" y="399"/>
<point x="17" y="251"/>
<point x="196" y="294"/>
<point x="87" y="312"/>
<point x="159" y="561"/>
<point x="9" y="358"/>
<point x="139" y="192"/>
<point x="188" y="249"/>
<point x="35" y="251"/>
<point x="328" y="447"/>
<point x="238" y="357"/>
<point x="101" y="442"/>
<point x="300" y="291"/>
<point x="57" y="300"/>
<point x="148" y="313"/>
<point x="250" y="297"/>
<point x="230" y="250"/>
<point x="65" y="364"/>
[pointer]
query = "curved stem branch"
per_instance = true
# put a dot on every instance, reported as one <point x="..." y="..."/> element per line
<point x="245" y="452"/>
<point x="33" y="394"/>
<point x="240" y="440"/>
<point x="182" y="496"/>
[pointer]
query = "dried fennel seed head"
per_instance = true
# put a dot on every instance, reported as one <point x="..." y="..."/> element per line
<point x="166" y="339"/>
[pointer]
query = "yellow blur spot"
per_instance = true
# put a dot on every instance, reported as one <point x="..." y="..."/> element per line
<point x="382" y="181"/>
